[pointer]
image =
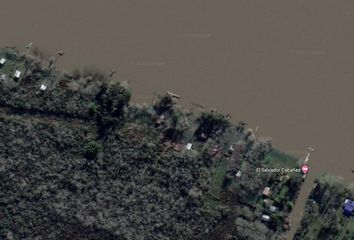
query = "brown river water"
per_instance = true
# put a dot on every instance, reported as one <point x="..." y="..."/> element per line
<point x="286" y="66"/>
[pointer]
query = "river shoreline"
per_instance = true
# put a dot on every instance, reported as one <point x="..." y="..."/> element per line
<point x="285" y="67"/>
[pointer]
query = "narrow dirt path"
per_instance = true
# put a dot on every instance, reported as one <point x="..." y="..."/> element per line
<point x="7" y="112"/>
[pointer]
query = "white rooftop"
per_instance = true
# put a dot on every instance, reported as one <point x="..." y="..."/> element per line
<point x="17" y="74"/>
<point x="189" y="146"/>
<point x="43" y="87"/>
<point x="273" y="208"/>
<point x="2" y="61"/>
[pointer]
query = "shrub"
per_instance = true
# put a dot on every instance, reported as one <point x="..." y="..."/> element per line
<point x="91" y="149"/>
<point x="163" y="104"/>
<point x="93" y="110"/>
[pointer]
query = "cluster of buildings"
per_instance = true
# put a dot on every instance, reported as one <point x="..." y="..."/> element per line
<point x="271" y="208"/>
<point x="17" y="73"/>
<point x="268" y="203"/>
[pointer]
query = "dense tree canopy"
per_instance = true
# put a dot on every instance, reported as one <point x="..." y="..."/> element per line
<point x="78" y="161"/>
<point x="211" y="124"/>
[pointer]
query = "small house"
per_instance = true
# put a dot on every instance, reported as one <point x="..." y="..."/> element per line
<point x="273" y="208"/>
<point x="267" y="192"/>
<point x="266" y="218"/>
<point x="3" y="77"/>
<point x="238" y="174"/>
<point x="189" y="146"/>
<point x="268" y="202"/>
<point x="17" y="74"/>
<point x="2" y="61"/>
<point x="43" y="87"/>
<point x="348" y="207"/>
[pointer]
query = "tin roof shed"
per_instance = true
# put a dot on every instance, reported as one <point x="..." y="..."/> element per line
<point x="189" y="146"/>
<point x="266" y="218"/>
<point x="17" y="74"/>
<point x="2" y="61"/>
<point x="43" y="87"/>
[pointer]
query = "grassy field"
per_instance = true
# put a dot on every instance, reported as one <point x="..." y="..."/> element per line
<point x="278" y="159"/>
<point x="217" y="180"/>
<point x="10" y="67"/>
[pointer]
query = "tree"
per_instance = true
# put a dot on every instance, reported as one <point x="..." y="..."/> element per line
<point x="163" y="104"/>
<point x="176" y="127"/>
<point x="111" y="103"/>
<point x="91" y="149"/>
<point x="113" y="99"/>
<point x="211" y="124"/>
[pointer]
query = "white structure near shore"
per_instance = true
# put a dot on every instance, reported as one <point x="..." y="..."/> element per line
<point x="2" y="61"/>
<point x="17" y="74"/>
<point x="43" y="87"/>
<point x="189" y="146"/>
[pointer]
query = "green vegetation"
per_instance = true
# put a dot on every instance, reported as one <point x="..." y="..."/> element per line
<point x="324" y="217"/>
<point x="211" y="124"/>
<point x="278" y="159"/>
<point x="112" y="102"/>
<point x="163" y="104"/>
<point x="78" y="161"/>
<point x="12" y="62"/>
<point x="91" y="149"/>
<point x="216" y="186"/>
<point x="218" y="177"/>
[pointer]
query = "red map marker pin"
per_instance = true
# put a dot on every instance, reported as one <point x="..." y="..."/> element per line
<point x="304" y="169"/>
